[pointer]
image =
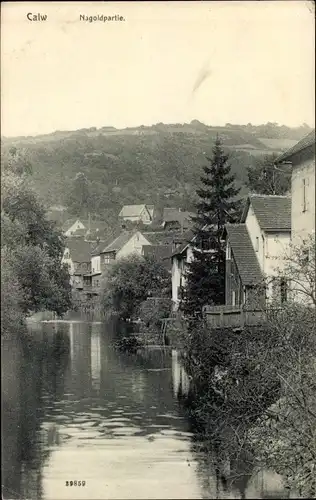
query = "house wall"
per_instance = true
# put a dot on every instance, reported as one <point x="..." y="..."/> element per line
<point x="271" y="248"/>
<point x="277" y="249"/>
<point x="145" y="216"/>
<point x="106" y="259"/>
<point x="74" y="227"/>
<point x="257" y="237"/>
<point x="234" y="294"/>
<point x="133" y="246"/>
<point x="178" y="270"/>
<point x="96" y="264"/>
<point x="66" y="259"/>
<point x="303" y="218"/>
<point x="77" y="281"/>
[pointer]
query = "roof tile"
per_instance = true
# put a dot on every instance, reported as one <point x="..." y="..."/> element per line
<point x="80" y="250"/>
<point x="273" y="212"/>
<point x="306" y="142"/>
<point x="244" y="254"/>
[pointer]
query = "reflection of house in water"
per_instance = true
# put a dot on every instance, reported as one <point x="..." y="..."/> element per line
<point x="180" y="379"/>
<point x="95" y="360"/>
<point x="138" y="384"/>
<point x="80" y="356"/>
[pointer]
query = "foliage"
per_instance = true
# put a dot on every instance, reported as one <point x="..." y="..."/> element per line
<point x="300" y="270"/>
<point x="129" y="281"/>
<point x="285" y="438"/>
<point x="31" y="243"/>
<point x="133" y="165"/>
<point x="254" y="392"/>
<point x="11" y="297"/>
<point x="217" y="205"/>
<point x="265" y="178"/>
<point x="129" y="344"/>
<point x="79" y="195"/>
<point x="152" y="311"/>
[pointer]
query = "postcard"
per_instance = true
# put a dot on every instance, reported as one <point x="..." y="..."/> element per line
<point x="158" y="250"/>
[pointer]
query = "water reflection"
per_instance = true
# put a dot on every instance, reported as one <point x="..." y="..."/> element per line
<point x="74" y="409"/>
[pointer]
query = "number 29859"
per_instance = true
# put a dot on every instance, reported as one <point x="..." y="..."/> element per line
<point x="75" y="483"/>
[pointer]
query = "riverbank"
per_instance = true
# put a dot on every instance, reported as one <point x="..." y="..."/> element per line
<point x="250" y="389"/>
<point x="76" y="407"/>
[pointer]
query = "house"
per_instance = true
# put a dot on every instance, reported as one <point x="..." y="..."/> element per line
<point x="137" y="213"/>
<point x="302" y="158"/>
<point x="161" y="253"/>
<point x="127" y="243"/>
<point x="182" y="254"/>
<point x="243" y="275"/>
<point x="267" y="221"/>
<point x="174" y="218"/>
<point x="123" y="245"/>
<point x="90" y="230"/>
<point x="77" y="256"/>
<point x="72" y="225"/>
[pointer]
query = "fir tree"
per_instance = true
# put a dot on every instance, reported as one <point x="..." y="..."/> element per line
<point x="217" y="205"/>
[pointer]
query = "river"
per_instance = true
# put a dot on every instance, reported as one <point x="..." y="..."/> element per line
<point x="82" y="421"/>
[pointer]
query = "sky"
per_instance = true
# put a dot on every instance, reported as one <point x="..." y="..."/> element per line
<point x="170" y="62"/>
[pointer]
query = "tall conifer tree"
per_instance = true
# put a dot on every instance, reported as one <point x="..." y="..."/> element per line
<point x="217" y="205"/>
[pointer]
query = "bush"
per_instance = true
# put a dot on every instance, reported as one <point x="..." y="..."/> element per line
<point x="128" y="283"/>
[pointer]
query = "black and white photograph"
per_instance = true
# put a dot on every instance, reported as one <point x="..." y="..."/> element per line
<point x="158" y="294"/>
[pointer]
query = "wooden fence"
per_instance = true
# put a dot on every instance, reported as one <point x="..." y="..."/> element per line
<point x="233" y="316"/>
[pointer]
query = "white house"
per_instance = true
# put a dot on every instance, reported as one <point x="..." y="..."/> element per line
<point x="72" y="225"/>
<point x="268" y="222"/>
<point x="181" y="256"/>
<point x="127" y="243"/>
<point x="302" y="159"/>
<point x="137" y="213"/>
<point x="77" y="256"/>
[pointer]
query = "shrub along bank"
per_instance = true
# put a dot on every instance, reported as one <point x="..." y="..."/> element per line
<point x="255" y="392"/>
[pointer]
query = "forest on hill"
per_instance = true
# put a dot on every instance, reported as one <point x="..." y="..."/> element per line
<point x="159" y="165"/>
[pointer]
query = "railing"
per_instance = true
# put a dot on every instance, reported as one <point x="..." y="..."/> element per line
<point x="233" y="316"/>
<point x="91" y="289"/>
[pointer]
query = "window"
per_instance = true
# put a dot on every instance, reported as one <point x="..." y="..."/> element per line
<point x="228" y="252"/>
<point x="305" y="256"/>
<point x="304" y="195"/>
<point x="233" y="298"/>
<point x="257" y="244"/>
<point x="106" y="259"/>
<point x="283" y="290"/>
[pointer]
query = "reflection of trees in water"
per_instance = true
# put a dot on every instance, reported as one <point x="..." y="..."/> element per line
<point x="223" y="462"/>
<point x="36" y="367"/>
<point x="140" y="385"/>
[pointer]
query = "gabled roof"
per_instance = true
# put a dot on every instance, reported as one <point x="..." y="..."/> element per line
<point x="306" y="142"/>
<point x="157" y="251"/>
<point x="273" y="212"/>
<point x="118" y="242"/>
<point x="94" y="225"/>
<point x="68" y="223"/>
<point x="186" y="239"/>
<point x="132" y="210"/>
<point x="244" y="254"/>
<point x="175" y="215"/>
<point x="80" y="250"/>
<point x="161" y="237"/>
<point x="79" y="232"/>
